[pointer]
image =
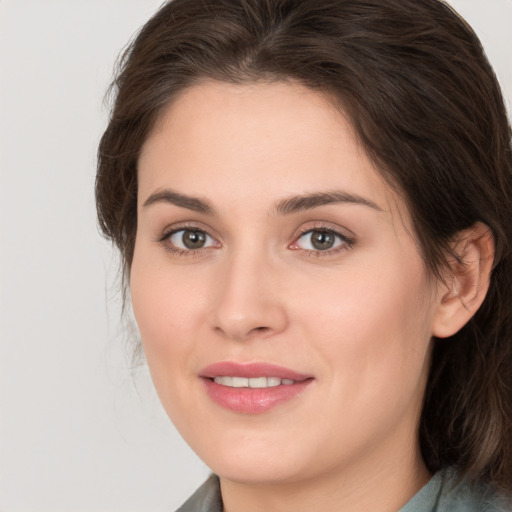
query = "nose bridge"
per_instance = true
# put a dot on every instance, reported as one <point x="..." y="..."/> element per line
<point x="248" y="302"/>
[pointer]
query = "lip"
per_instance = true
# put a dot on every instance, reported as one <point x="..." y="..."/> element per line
<point x="250" y="370"/>
<point x="252" y="400"/>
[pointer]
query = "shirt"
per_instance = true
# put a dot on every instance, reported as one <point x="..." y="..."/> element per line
<point x="443" y="493"/>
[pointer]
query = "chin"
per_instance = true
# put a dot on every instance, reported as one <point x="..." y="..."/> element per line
<point x="258" y="472"/>
<point x="256" y="460"/>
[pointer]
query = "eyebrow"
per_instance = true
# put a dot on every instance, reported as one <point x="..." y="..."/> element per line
<point x="310" y="201"/>
<point x="285" y="207"/>
<point x="190" y="203"/>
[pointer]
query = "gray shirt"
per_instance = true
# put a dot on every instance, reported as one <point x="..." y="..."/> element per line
<point x="444" y="493"/>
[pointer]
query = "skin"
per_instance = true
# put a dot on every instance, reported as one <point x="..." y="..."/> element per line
<point x="358" y="317"/>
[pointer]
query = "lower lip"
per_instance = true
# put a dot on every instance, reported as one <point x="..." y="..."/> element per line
<point x="254" y="400"/>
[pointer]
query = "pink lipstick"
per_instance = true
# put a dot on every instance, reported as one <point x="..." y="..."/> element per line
<point x="254" y="387"/>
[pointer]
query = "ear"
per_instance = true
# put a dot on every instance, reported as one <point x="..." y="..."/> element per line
<point x="466" y="286"/>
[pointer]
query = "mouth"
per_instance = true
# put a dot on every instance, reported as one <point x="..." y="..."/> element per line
<point x="252" y="388"/>
<point x="253" y="382"/>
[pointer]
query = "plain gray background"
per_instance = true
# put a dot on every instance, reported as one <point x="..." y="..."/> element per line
<point x="79" y="431"/>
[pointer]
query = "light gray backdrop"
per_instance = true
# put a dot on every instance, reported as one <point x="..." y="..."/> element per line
<point x="77" y="431"/>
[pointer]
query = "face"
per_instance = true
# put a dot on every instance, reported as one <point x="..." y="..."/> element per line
<point x="283" y="306"/>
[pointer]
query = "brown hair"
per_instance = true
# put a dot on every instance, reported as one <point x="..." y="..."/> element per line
<point x="425" y="103"/>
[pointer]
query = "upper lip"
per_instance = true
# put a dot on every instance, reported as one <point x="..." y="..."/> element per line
<point x="250" y="370"/>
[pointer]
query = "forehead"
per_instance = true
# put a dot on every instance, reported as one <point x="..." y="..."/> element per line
<point x="257" y="142"/>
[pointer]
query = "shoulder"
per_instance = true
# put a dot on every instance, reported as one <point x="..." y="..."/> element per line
<point x="447" y="492"/>
<point x="206" y="499"/>
<point x="459" y="495"/>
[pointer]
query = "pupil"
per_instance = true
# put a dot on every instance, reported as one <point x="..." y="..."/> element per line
<point x="194" y="239"/>
<point x="322" y="240"/>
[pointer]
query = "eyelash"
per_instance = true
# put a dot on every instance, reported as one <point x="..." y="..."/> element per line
<point x="164" y="240"/>
<point x="346" y="242"/>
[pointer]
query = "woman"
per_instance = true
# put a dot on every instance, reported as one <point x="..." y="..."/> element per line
<point x="312" y="202"/>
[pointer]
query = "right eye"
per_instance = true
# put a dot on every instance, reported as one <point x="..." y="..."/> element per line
<point x="188" y="239"/>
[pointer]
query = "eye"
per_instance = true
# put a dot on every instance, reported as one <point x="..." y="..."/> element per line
<point x="321" y="240"/>
<point x="190" y="239"/>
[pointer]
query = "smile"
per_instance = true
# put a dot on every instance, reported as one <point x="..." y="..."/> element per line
<point x="254" y="382"/>
<point x="252" y="388"/>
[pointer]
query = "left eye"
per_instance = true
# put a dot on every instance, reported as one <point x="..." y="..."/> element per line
<point x="319" y="240"/>
<point x="191" y="239"/>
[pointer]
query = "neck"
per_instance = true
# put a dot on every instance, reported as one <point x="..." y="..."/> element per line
<point x="372" y="485"/>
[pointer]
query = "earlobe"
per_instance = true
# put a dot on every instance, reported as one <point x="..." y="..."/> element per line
<point x="468" y="282"/>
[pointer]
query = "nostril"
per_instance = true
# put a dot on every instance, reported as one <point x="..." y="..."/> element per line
<point x="244" y="334"/>
<point x="260" y="330"/>
<point x="244" y="319"/>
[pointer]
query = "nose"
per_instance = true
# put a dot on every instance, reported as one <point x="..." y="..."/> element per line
<point x="249" y="302"/>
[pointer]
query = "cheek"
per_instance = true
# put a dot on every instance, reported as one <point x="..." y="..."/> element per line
<point x="373" y="326"/>
<point x="164" y="299"/>
<point x="166" y="327"/>
<point x="371" y="335"/>
<point x="165" y="309"/>
<point x="155" y="309"/>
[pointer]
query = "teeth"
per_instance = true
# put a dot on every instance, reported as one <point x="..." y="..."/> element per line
<point x="255" y="382"/>
<point x="273" y="382"/>
<point x="258" y="382"/>
<point x="240" y="382"/>
<point x="224" y="381"/>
